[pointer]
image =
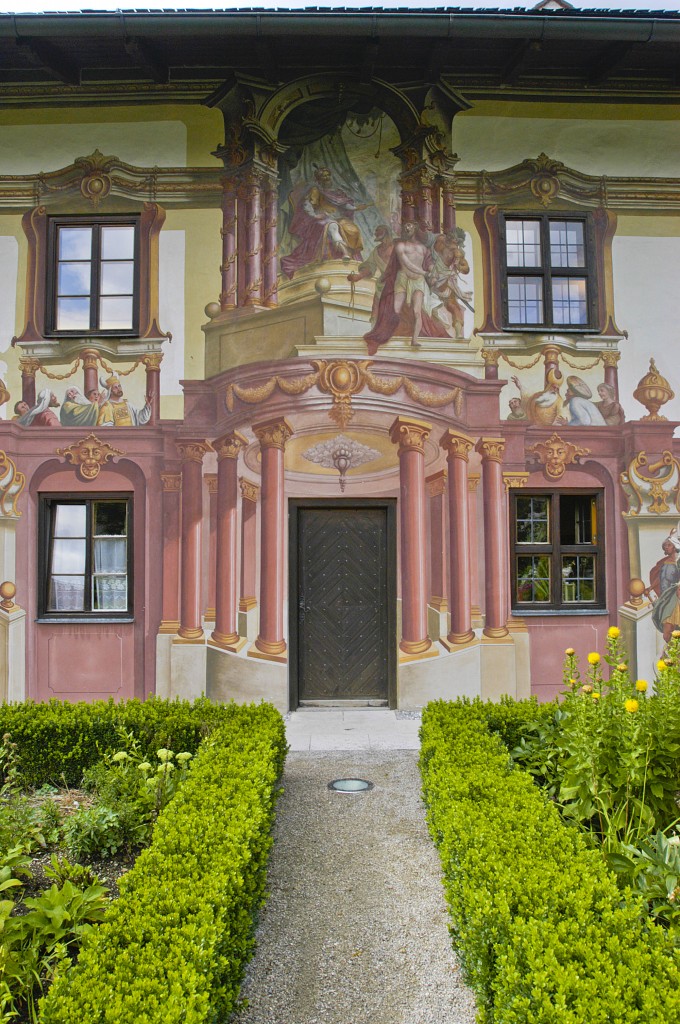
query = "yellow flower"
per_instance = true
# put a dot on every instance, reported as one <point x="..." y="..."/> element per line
<point x="622" y="667"/>
<point x="631" y="705"/>
<point x="594" y="658"/>
<point x="661" y="665"/>
<point x="613" y="632"/>
<point x="572" y="682"/>
<point x="569" y="651"/>
<point x="596" y="696"/>
<point x="641" y="685"/>
<point x="587" y="688"/>
<point x="675" y="633"/>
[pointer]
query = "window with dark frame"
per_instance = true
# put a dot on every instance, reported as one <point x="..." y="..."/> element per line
<point x="557" y="551"/>
<point x="548" y="272"/>
<point x="85" y="561"/>
<point x="93" y="279"/>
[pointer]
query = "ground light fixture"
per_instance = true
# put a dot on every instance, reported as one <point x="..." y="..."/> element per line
<point x="350" y="785"/>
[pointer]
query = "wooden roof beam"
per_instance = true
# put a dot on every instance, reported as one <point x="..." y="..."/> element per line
<point x="513" y="67"/>
<point x="607" y="60"/>
<point x="148" y="59"/>
<point x="49" y="57"/>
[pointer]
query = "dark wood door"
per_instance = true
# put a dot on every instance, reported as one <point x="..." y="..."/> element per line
<point x="344" y="602"/>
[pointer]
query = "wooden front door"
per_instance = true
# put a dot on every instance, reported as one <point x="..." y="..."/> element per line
<point x="343" y="601"/>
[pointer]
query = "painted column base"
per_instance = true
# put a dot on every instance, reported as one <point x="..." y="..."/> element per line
<point x="437" y="622"/>
<point x="249" y="623"/>
<point x="641" y="639"/>
<point x="280" y="656"/>
<point x="13" y="655"/>
<point x="457" y="644"/>
<point x="498" y="667"/>
<point x="233" y="677"/>
<point x="228" y="644"/>
<point x="429" y="652"/>
<point x="187" y="669"/>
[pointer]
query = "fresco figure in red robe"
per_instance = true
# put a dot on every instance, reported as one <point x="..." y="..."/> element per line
<point x="323" y="221"/>
<point x="408" y="306"/>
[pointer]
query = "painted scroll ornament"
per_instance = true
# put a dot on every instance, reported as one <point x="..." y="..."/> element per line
<point x="652" y="487"/>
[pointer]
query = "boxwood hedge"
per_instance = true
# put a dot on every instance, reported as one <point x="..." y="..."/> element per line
<point x="173" y="946"/>
<point x="545" y="936"/>
<point x="57" y="741"/>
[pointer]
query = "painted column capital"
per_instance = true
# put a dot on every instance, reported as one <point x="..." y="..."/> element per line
<point x="273" y="433"/>
<point x="457" y="445"/>
<point x="610" y="358"/>
<point x="511" y="479"/>
<point x="249" y="491"/>
<point x="153" y="361"/>
<point x="211" y="482"/>
<point x="172" y="481"/>
<point x="410" y="434"/>
<point x="228" y="446"/>
<point x="193" y="451"/>
<point x="436" y="483"/>
<point x="491" y="448"/>
<point x="29" y="365"/>
<point x="491" y="356"/>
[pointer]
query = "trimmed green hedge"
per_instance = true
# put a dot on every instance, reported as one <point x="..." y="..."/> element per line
<point x="545" y="935"/>
<point x="57" y="741"/>
<point x="173" y="946"/>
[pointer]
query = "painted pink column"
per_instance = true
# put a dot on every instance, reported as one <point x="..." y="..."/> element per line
<point x="411" y="436"/>
<point x="458" y="447"/>
<point x="495" y="535"/>
<point x="90" y="360"/>
<point x="172" y="490"/>
<point x="254" y="233"/>
<point x="425" y="204"/>
<point x="476" y="609"/>
<point x="436" y="489"/>
<point x="211" y="484"/>
<point x="153" y="384"/>
<point x="611" y="371"/>
<point x="249" y="495"/>
<point x="272" y="436"/>
<point x="191" y="453"/>
<point x="225" y="634"/>
<point x="271" y="253"/>
<point x="449" y="207"/>
<point x="228" y="297"/>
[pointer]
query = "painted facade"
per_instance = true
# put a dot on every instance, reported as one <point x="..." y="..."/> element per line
<point x="366" y="301"/>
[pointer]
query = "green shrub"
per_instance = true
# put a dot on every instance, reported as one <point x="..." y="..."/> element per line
<point x="545" y="936"/>
<point x="173" y="946"/>
<point x="58" y="741"/>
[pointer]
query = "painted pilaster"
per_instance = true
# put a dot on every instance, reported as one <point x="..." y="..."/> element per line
<point x="29" y="367"/>
<point x="225" y="634"/>
<point x="172" y="491"/>
<point x="438" y="606"/>
<point x="495" y="584"/>
<point x="411" y="435"/>
<point x="211" y="484"/>
<point x="228" y="297"/>
<point x="458" y="447"/>
<point x="477" y="619"/>
<point x="191" y="454"/>
<point x="272" y="435"/>
<point x="152" y="363"/>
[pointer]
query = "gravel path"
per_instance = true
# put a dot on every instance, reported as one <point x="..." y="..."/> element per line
<point x="355" y="927"/>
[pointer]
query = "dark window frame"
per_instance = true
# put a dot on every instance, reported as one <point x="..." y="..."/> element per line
<point x="546" y="272"/>
<point x="56" y="222"/>
<point x="45" y="543"/>
<point x="555" y="549"/>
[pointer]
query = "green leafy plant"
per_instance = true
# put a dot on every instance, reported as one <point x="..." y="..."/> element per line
<point x="93" y="832"/>
<point x="61" y="870"/>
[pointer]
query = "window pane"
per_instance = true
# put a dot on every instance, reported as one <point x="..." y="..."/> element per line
<point x="567" y="248"/>
<point x="118" y="242"/>
<point x="533" y="520"/>
<point x="523" y="243"/>
<point x="74" y="279"/>
<point x="110" y="593"/>
<point x="75" y="243"/>
<point x="578" y="578"/>
<point x="525" y="300"/>
<point x="117" y="278"/>
<point x="70" y="520"/>
<point x="115" y="313"/>
<point x="533" y="578"/>
<point x="577" y="512"/>
<point x="110" y="518"/>
<point x="110" y="555"/>
<point x="67" y="594"/>
<point x="68" y="556"/>
<point x="569" y="300"/>
<point x="73" y="314"/>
